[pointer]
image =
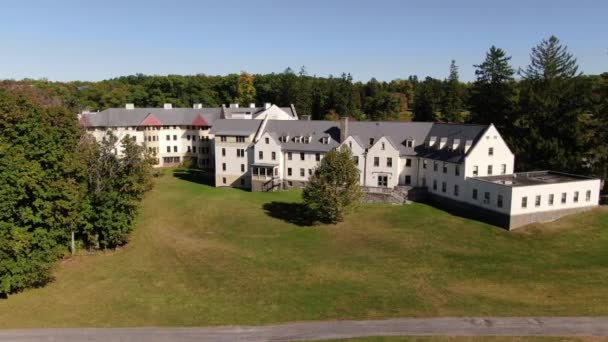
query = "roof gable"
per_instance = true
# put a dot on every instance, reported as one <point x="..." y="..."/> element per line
<point x="199" y="121"/>
<point x="150" y="120"/>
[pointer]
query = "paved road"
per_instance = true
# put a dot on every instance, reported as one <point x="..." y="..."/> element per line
<point x="504" y="326"/>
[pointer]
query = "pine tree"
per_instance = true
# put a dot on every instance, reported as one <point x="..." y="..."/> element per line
<point x="493" y="95"/>
<point x="550" y="60"/>
<point x="451" y="103"/>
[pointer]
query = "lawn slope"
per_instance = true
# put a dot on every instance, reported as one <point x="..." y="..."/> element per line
<point x="206" y="256"/>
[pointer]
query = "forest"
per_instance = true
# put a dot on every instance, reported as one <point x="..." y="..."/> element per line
<point x="55" y="181"/>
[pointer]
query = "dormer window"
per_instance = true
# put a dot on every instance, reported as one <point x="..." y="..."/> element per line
<point x="325" y="140"/>
<point x="409" y="143"/>
<point x="371" y="141"/>
<point x="297" y="140"/>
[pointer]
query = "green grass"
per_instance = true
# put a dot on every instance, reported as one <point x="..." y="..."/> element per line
<point x="206" y="256"/>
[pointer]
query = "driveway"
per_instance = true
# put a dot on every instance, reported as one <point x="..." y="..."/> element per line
<point x="475" y="326"/>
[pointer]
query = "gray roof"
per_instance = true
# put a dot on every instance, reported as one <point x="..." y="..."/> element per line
<point x="315" y="129"/>
<point x="235" y="127"/>
<point x="114" y="117"/>
<point x="451" y="131"/>
<point x="396" y="132"/>
<point x="256" y="111"/>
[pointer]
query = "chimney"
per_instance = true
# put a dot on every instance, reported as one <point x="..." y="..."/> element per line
<point x="168" y="106"/>
<point x="305" y="117"/>
<point x="267" y="105"/>
<point x="197" y="106"/>
<point x="129" y="106"/>
<point x="234" y="105"/>
<point x="343" y="128"/>
<point x="252" y="105"/>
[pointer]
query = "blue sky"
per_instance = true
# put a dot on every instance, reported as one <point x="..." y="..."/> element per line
<point x="94" y="40"/>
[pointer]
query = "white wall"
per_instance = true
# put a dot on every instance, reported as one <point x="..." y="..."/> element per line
<point x="309" y="163"/>
<point x="479" y="156"/>
<point x="233" y="163"/>
<point x="544" y="190"/>
<point x="449" y="177"/>
<point x="372" y="172"/>
<point x="357" y="151"/>
<point x="267" y="149"/>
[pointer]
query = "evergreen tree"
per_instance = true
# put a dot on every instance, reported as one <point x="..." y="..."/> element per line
<point x="333" y="188"/>
<point x="493" y="95"/>
<point x="550" y="60"/>
<point x="426" y="100"/>
<point x="552" y="103"/>
<point x="451" y="103"/>
<point x="246" y="90"/>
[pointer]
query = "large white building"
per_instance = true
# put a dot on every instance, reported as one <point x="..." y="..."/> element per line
<point x="466" y="168"/>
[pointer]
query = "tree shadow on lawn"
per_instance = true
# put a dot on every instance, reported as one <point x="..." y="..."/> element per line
<point x="195" y="176"/>
<point x="294" y="213"/>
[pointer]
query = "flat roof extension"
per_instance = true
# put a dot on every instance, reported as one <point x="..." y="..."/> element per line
<point x="533" y="178"/>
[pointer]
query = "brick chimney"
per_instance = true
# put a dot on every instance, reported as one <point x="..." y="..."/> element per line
<point x="343" y="128"/>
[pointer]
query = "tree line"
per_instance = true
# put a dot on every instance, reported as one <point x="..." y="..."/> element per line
<point x="56" y="181"/>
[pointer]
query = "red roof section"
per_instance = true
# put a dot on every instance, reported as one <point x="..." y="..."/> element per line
<point x="199" y="121"/>
<point x="151" y="120"/>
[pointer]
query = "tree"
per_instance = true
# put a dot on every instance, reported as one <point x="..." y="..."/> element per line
<point x="451" y="103"/>
<point x="426" y="99"/>
<point x="550" y="60"/>
<point x="493" y="95"/>
<point x="552" y="103"/>
<point x="333" y="188"/>
<point x="246" y="90"/>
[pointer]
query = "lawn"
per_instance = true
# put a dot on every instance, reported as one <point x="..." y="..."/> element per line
<point x="206" y="256"/>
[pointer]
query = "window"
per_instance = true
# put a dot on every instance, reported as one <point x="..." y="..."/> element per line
<point x="524" y="202"/>
<point x="371" y="141"/>
<point x="168" y="137"/>
<point x="267" y="140"/>
<point x="187" y="137"/>
<point x="193" y="149"/>
<point x="588" y="196"/>
<point x="503" y="169"/>
<point x="276" y="172"/>
<point x="551" y="199"/>
<point x="223" y="138"/>
<point x="474" y="194"/>
<point x="240" y="153"/>
<point x="424" y="164"/>
<point x="223" y="166"/>
<point x="537" y="201"/>
<point x="382" y="181"/>
<point x="317" y="156"/>
<point x="456" y="190"/>
<point x="289" y="171"/>
<point x="174" y="137"/>
<point x="223" y="152"/>
<point x="409" y="143"/>
<point x="149" y="139"/>
<point x="174" y="148"/>
<point x="310" y="172"/>
<point x="445" y="168"/>
<point x="486" y="198"/>
<point x="189" y="149"/>
<point x="224" y="180"/>
<point x="564" y="197"/>
<point x="408" y="162"/>
<point x="301" y="155"/>
<point x="356" y="160"/>
<point x="499" y="201"/>
<point x="273" y="155"/>
<point x="435" y="166"/>
<point x="457" y="170"/>
<point x="389" y="162"/>
<point x="489" y="170"/>
<point x="382" y="146"/>
<point x="242" y="167"/>
<point x="575" y="199"/>
<point x="261" y="155"/>
<point x="434" y="184"/>
<point x="444" y="186"/>
<point x="288" y="155"/>
<point x="408" y="180"/>
<point x="302" y="173"/>
<point x="491" y="151"/>
<point x="194" y="138"/>
<point x="240" y="139"/>
<point x="475" y="170"/>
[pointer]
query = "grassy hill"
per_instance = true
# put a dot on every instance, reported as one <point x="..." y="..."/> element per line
<point x="206" y="256"/>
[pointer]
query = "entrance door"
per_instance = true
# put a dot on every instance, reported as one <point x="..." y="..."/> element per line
<point x="383" y="181"/>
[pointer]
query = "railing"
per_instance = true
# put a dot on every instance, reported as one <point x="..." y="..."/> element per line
<point x="377" y="190"/>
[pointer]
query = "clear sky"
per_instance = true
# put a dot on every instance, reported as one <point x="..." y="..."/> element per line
<point x="100" y="39"/>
